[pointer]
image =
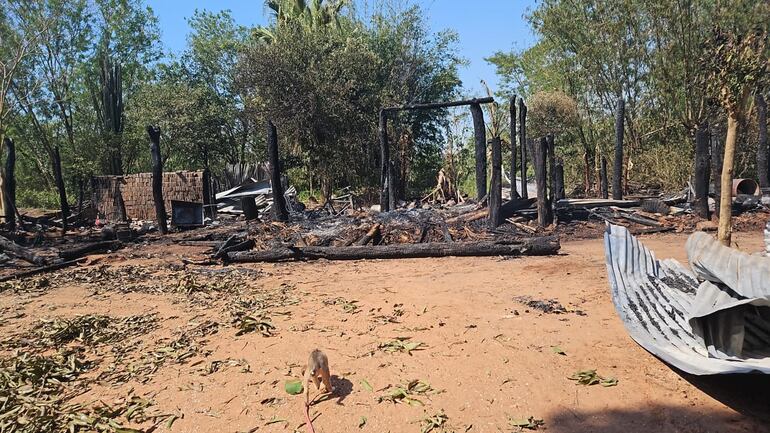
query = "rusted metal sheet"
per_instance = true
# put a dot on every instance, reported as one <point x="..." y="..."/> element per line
<point x="701" y="327"/>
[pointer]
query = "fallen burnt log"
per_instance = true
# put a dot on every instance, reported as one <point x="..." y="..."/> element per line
<point x="95" y="247"/>
<point x="538" y="246"/>
<point x="21" y="252"/>
<point x="40" y="270"/>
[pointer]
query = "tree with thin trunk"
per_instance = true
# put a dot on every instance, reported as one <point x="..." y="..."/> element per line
<point x="737" y="65"/>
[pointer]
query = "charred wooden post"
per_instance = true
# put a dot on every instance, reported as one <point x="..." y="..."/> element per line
<point x="762" y="158"/>
<point x="279" y="201"/>
<point x="59" y="179"/>
<point x="702" y="171"/>
<point x="514" y="188"/>
<point x="617" y="173"/>
<point x="496" y="185"/>
<point x="10" y="182"/>
<point x="559" y="193"/>
<point x="157" y="178"/>
<point x="604" y="187"/>
<point x="384" y="163"/>
<point x="544" y="212"/>
<point x="717" y="156"/>
<point x="522" y="145"/>
<point x="480" y="136"/>
<point x="249" y="208"/>
<point x="393" y="186"/>
<point x="209" y="205"/>
<point x="551" y="168"/>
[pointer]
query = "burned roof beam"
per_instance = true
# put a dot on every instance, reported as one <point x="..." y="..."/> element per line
<point x="487" y="100"/>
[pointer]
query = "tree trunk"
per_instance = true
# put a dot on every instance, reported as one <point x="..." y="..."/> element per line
<point x="10" y="183"/>
<point x="603" y="181"/>
<point x="514" y="190"/>
<point x="617" y="174"/>
<point x="157" y="178"/>
<point x="384" y="164"/>
<point x="523" y="146"/>
<point x="544" y="214"/>
<point x="762" y="159"/>
<point x="279" y="201"/>
<point x="495" y="188"/>
<point x="717" y="158"/>
<point x="724" y="235"/>
<point x="65" y="207"/>
<point x="480" y="137"/>
<point x="702" y="171"/>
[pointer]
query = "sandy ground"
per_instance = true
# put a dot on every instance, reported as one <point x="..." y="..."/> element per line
<point x="490" y="357"/>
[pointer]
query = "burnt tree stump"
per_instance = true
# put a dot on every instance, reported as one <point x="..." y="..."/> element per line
<point x="59" y="179"/>
<point x="10" y="182"/>
<point x="480" y="138"/>
<point x="157" y="178"/>
<point x="279" y="201"/>
<point x="544" y="211"/>
<point x="384" y="163"/>
<point x="702" y="171"/>
<point x="514" y="190"/>
<point x="617" y="173"/>
<point x="496" y="185"/>
<point x="522" y="145"/>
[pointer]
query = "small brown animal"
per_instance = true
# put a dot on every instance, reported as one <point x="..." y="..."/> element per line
<point x="317" y="370"/>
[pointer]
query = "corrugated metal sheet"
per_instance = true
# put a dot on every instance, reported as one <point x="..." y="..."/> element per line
<point x="659" y="301"/>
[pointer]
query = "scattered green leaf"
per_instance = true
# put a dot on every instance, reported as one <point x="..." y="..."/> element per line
<point x="590" y="377"/>
<point x="293" y="387"/>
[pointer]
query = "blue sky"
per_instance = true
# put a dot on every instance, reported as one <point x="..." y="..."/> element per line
<point x="484" y="26"/>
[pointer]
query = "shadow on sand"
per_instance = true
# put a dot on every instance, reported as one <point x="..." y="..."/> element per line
<point x="747" y="394"/>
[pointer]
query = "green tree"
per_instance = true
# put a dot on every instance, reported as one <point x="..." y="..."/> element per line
<point x="738" y="66"/>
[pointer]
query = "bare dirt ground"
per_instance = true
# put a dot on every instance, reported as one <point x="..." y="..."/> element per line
<point x="486" y="356"/>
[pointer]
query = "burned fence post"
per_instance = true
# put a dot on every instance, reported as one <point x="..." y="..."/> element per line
<point x="702" y="171"/>
<point x="157" y="178"/>
<point x="279" y="201"/>
<point x="559" y="193"/>
<point x="522" y="145"/>
<point x="10" y="183"/>
<point x="544" y="212"/>
<point x="59" y="179"/>
<point x="604" y="187"/>
<point x="514" y="191"/>
<point x="762" y="150"/>
<point x="384" y="163"/>
<point x="617" y="173"/>
<point x="496" y="185"/>
<point x="480" y="136"/>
